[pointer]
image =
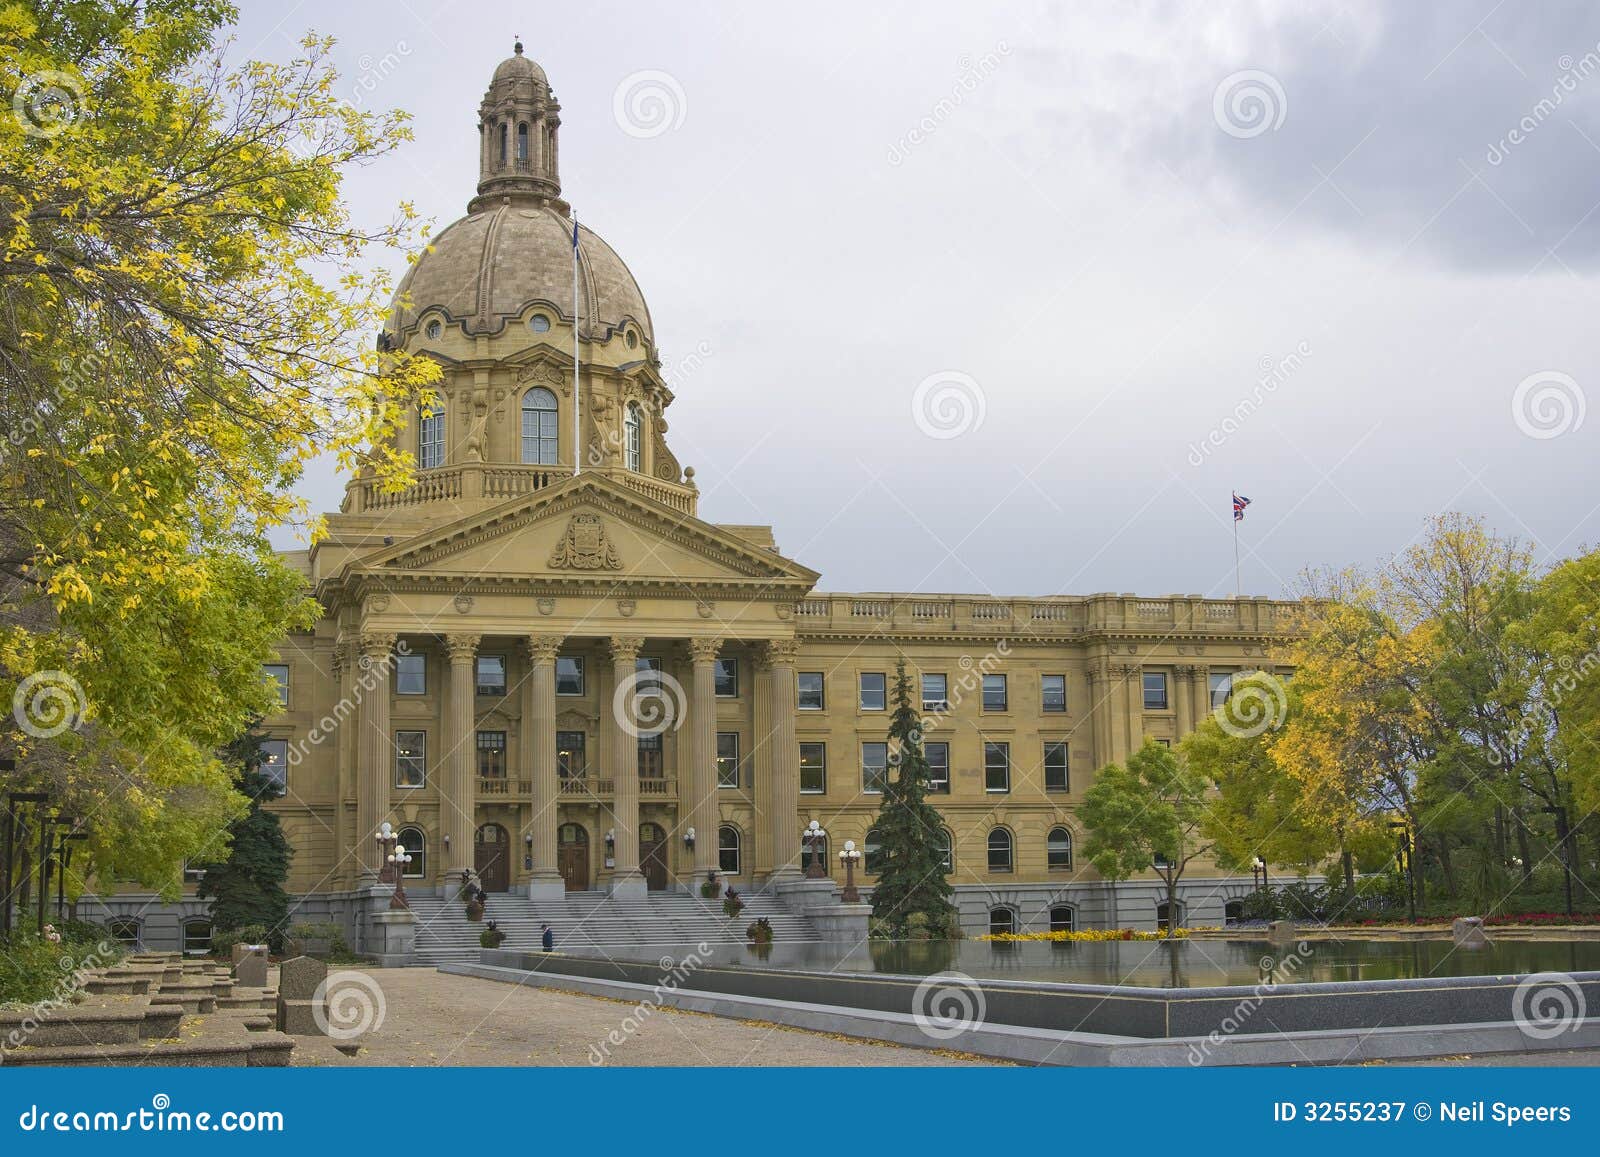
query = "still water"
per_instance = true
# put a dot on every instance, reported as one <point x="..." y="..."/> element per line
<point x="1154" y="964"/>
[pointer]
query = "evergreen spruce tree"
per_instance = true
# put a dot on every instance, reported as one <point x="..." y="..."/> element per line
<point x="247" y="887"/>
<point x="911" y="899"/>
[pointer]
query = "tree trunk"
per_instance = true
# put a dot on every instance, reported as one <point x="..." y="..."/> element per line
<point x="1523" y="848"/>
<point x="1349" y="862"/>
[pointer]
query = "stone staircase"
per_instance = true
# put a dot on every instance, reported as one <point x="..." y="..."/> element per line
<point x="593" y="923"/>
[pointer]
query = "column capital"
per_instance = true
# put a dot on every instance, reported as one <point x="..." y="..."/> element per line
<point x="624" y="648"/>
<point x="374" y="646"/>
<point x="782" y="652"/>
<point x="1185" y="672"/>
<point x="543" y="648"/>
<point x="704" y="650"/>
<point x="462" y="648"/>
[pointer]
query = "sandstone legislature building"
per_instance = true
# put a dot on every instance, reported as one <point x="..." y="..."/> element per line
<point x="488" y="633"/>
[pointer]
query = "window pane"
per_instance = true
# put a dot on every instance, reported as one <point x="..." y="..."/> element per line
<point x="430" y="439"/>
<point x="196" y="937"/>
<point x="279" y="674"/>
<point x="539" y="426"/>
<point x="938" y="756"/>
<point x="416" y="846"/>
<point x="808" y="691"/>
<point x="410" y="758"/>
<point x="934" y="697"/>
<point x="569" y="675"/>
<point x="874" y="766"/>
<point x="727" y="759"/>
<point x="1221" y="686"/>
<point x="1053" y="693"/>
<point x="994" y="692"/>
<point x="872" y="853"/>
<point x="947" y="846"/>
<point x="997" y="766"/>
<point x="813" y="767"/>
<point x="275" y="764"/>
<point x="491" y="675"/>
<point x="572" y="761"/>
<point x="1155" y="691"/>
<point x="728" y="850"/>
<point x="491" y="754"/>
<point x="1063" y="918"/>
<point x="1058" y="849"/>
<point x="872" y="692"/>
<point x="652" y="760"/>
<point x="727" y="678"/>
<point x="999" y="850"/>
<point x="1001" y="921"/>
<point x="410" y="675"/>
<point x="1055" y="767"/>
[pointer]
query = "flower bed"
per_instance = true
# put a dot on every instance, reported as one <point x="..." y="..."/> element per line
<point x="1084" y="935"/>
<point x="1506" y="920"/>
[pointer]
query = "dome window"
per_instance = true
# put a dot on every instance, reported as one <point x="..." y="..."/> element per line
<point x="435" y="328"/>
<point x="631" y="429"/>
<point x="539" y="427"/>
<point x="430" y="438"/>
<point x="632" y="339"/>
<point x="539" y="323"/>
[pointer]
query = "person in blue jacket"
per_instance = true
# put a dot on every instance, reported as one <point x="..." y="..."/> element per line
<point x="549" y="938"/>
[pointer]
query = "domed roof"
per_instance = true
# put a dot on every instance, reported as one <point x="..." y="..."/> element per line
<point x="490" y="266"/>
<point x="518" y="67"/>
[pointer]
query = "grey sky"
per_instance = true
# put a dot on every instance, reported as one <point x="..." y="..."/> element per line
<point x="1053" y="209"/>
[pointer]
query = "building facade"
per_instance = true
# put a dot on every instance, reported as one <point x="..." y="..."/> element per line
<point x="542" y="665"/>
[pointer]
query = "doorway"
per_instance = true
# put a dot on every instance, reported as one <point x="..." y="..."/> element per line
<point x="572" y="856"/>
<point x="653" y="856"/>
<point x="492" y="858"/>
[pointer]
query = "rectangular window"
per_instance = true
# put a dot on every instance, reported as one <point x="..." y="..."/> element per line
<point x="410" y="674"/>
<point x="938" y="756"/>
<point x="874" y="767"/>
<point x="873" y="695"/>
<point x="1053" y="692"/>
<point x="808" y="691"/>
<point x="727" y="759"/>
<point x="649" y="670"/>
<point x="1155" y="691"/>
<point x="572" y="760"/>
<point x="491" y="755"/>
<point x="997" y="767"/>
<point x="279" y="674"/>
<point x="813" y="768"/>
<point x="652" y="764"/>
<point x="491" y="674"/>
<point x="431" y="439"/>
<point x="410" y="759"/>
<point x="994" y="692"/>
<point x="727" y="678"/>
<point x="1055" y="767"/>
<point x="569" y="675"/>
<point x="275" y="763"/>
<point x="1221" y="686"/>
<point x="935" y="696"/>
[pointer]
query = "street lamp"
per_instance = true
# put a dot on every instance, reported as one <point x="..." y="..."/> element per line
<point x="398" y="859"/>
<point x="688" y="840"/>
<point x="812" y="837"/>
<point x="848" y="856"/>
<point x="1258" y="873"/>
<point x="387" y="840"/>
<point x="611" y="843"/>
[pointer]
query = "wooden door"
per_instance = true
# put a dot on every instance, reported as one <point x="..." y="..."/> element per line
<point x="492" y="858"/>
<point x="653" y="857"/>
<point x="572" y="857"/>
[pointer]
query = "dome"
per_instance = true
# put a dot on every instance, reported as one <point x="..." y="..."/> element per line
<point x="519" y="67"/>
<point x="488" y="267"/>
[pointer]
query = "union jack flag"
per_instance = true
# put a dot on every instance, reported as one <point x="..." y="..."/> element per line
<point x="1239" y="504"/>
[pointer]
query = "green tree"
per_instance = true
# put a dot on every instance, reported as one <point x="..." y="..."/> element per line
<point x="247" y="887"/>
<point x="1146" y="814"/>
<point x="912" y="895"/>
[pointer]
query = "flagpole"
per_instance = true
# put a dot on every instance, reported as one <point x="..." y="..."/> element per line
<point x="577" y="404"/>
<point x="1238" y="588"/>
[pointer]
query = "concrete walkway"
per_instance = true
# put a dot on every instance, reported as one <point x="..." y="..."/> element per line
<point x="431" y="1018"/>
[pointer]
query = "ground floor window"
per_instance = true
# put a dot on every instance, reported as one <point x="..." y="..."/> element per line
<point x="1233" y="912"/>
<point x="1002" y="920"/>
<point x="815" y="851"/>
<point x="416" y="846"/>
<point x="999" y="850"/>
<point x="1058" y="850"/>
<point x="728" y="850"/>
<point x="1063" y="918"/>
<point x="872" y="854"/>
<point x="196" y="937"/>
<point x="125" y="930"/>
<point x="1163" y="917"/>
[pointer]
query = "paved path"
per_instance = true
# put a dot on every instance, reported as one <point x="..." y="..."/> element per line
<point x="432" y="1018"/>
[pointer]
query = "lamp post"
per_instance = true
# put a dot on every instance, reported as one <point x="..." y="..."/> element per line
<point x="812" y="837"/>
<point x="397" y="861"/>
<point x="387" y="841"/>
<point x="1258" y="874"/>
<point x="848" y="855"/>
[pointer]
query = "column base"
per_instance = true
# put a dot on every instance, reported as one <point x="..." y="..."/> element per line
<point x="631" y="886"/>
<point x="547" y="888"/>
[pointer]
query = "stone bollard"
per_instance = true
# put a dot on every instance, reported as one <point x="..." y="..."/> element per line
<point x="1467" y="932"/>
<point x="298" y="982"/>
<point x="250" y="965"/>
<point x="1281" y="932"/>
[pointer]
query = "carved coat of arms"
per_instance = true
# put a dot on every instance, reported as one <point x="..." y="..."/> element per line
<point x="584" y="546"/>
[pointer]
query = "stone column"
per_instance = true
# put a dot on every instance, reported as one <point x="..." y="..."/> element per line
<point x="1132" y="708"/>
<point x="1201" y="691"/>
<point x="623" y="753"/>
<point x="345" y="743"/>
<point x="1099" y="681"/>
<point x="458" y="792"/>
<point x="785" y="812"/>
<point x="702" y="787"/>
<point x="539" y="763"/>
<point x="375" y="750"/>
<point x="1183" y="690"/>
<point x="761" y="764"/>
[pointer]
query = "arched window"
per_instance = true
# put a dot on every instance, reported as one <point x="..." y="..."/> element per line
<point x="124" y="930"/>
<point x="430" y="438"/>
<point x="947" y="845"/>
<point x="728" y="850"/>
<point x="1232" y="912"/>
<point x="632" y="427"/>
<point x="522" y="143"/>
<point x="1163" y="918"/>
<point x="1002" y="920"/>
<point x="999" y="850"/>
<point x="416" y="846"/>
<point x="504" y="137"/>
<point x="872" y="853"/>
<point x="539" y="427"/>
<point x="1058" y="849"/>
<point x="1063" y="918"/>
<point x="196" y="937"/>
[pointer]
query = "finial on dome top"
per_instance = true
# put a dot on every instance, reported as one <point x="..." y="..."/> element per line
<point x="517" y="46"/>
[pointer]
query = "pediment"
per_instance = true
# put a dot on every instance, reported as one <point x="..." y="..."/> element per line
<point x="588" y="528"/>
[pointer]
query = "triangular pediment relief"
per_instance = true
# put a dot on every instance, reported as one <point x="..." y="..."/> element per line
<point x="588" y="528"/>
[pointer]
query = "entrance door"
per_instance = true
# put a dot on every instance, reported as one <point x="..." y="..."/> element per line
<point x="572" y="856"/>
<point x="653" y="857"/>
<point x="492" y="858"/>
